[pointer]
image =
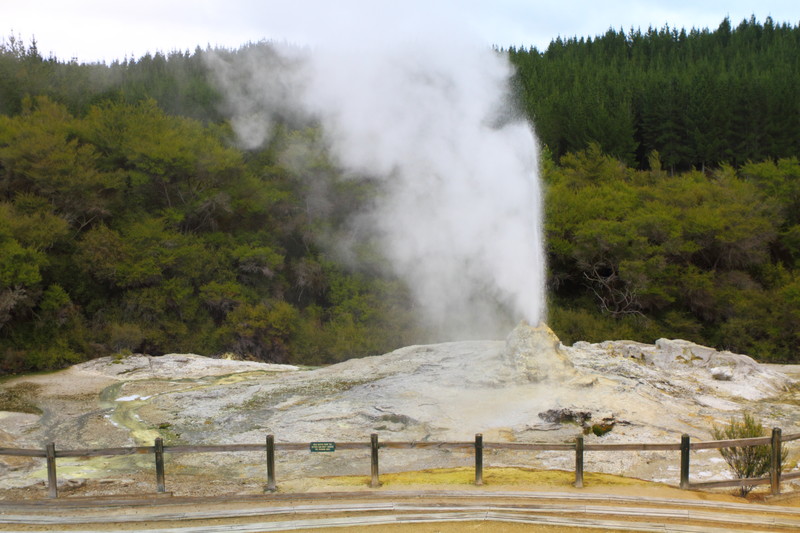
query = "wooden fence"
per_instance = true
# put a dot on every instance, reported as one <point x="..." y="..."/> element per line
<point x="579" y="448"/>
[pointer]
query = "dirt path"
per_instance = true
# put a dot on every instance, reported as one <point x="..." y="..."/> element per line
<point x="428" y="511"/>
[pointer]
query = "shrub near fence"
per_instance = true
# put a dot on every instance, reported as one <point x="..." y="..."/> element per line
<point x="579" y="448"/>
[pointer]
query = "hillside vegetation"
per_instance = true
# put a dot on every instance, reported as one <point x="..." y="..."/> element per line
<point x="129" y="220"/>
<point x="699" y="98"/>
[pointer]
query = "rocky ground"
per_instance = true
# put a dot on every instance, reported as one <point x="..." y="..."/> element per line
<point x="529" y="388"/>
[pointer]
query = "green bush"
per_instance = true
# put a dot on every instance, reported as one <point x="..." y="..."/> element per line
<point x="746" y="461"/>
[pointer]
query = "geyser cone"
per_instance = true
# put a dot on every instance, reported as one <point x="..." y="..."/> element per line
<point x="537" y="354"/>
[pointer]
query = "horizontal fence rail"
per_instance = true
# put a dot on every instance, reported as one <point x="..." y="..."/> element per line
<point x="739" y="443"/>
<point x="632" y="447"/>
<point x="19" y="452"/>
<point x="101" y="452"/>
<point x="579" y="448"/>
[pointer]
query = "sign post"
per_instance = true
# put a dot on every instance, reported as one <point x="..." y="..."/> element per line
<point x="322" y="446"/>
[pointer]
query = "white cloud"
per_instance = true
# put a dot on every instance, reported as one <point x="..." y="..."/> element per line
<point x="102" y="30"/>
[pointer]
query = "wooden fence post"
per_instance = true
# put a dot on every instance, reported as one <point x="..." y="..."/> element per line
<point x="374" y="482"/>
<point x="685" y="449"/>
<point x="271" y="487"/>
<point x="775" y="465"/>
<point x="52" y="479"/>
<point x="479" y="459"/>
<point x="579" y="462"/>
<point x="159" y="451"/>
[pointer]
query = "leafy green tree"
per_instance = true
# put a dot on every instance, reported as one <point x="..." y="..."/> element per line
<point x="262" y="332"/>
<point x="40" y="156"/>
<point x="20" y="277"/>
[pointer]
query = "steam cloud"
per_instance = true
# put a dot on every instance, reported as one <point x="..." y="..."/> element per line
<point x="459" y="214"/>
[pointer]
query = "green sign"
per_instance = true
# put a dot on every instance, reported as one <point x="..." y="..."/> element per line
<point x="322" y="446"/>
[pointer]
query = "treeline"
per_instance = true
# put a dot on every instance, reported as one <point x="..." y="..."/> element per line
<point x="130" y="222"/>
<point x="700" y="98"/>
<point x="179" y="81"/>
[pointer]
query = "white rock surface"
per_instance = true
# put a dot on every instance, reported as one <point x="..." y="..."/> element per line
<point x="138" y="366"/>
<point x="529" y="388"/>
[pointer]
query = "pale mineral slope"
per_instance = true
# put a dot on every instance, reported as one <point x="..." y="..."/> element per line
<point x="529" y="388"/>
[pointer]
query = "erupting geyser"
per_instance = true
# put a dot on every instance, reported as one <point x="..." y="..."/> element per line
<point x="432" y="120"/>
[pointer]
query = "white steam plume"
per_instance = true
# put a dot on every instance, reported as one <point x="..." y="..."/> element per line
<point x="459" y="217"/>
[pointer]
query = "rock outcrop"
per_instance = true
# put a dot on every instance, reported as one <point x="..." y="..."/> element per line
<point x="537" y="354"/>
<point x="724" y="372"/>
<point x="530" y="388"/>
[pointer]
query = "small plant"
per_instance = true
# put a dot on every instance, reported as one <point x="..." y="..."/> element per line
<point x="599" y="429"/>
<point x="120" y="356"/>
<point x="746" y="461"/>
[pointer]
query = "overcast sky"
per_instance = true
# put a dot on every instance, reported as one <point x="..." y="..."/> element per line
<point x="105" y="30"/>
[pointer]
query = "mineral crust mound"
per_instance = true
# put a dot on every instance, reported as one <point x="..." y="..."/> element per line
<point x="528" y="388"/>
